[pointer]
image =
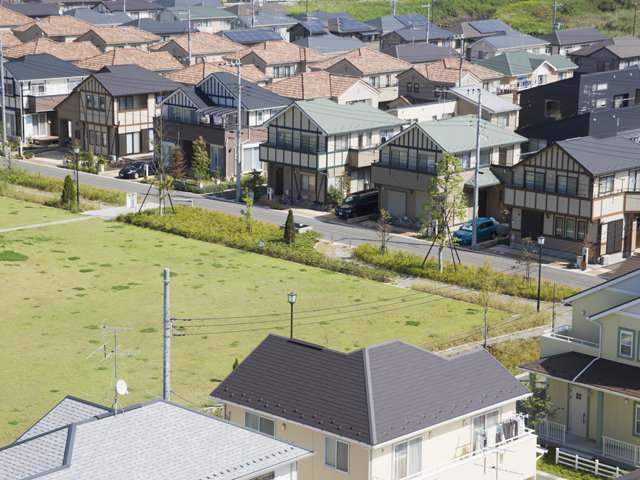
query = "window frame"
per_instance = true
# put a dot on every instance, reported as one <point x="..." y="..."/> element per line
<point x="547" y="111"/>
<point x="636" y="423"/>
<point x="583" y="224"/>
<point x="626" y="331"/>
<point x="407" y="460"/>
<point x="570" y="233"/>
<point x="332" y="467"/>
<point x="555" y="226"/>
<point x="260" y="419"/>
<point x="606" y="184"/>
<point x="416" y="88"/>
<point x="409" y="87"/>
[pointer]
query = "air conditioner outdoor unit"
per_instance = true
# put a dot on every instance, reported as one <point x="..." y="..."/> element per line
<point x="112" y="158"/>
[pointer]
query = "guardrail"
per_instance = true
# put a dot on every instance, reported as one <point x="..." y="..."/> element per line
<point x="622" y="450"/>
<point x="591" y="466"/>
<point x="554" y="333"/>
<point x="551" y="430"/>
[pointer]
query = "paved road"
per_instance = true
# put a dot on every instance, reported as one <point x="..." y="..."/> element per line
<point x="341" y="233"/>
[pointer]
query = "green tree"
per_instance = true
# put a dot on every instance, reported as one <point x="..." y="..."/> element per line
<point x="538" y="405"/>
<point x="248" y="216"/>
<point x="384" y="229"/>
<point x="68" y="192"/>
<point x="528" y="258"/>
<point x="179" y="163"/>
<point x="446" y="201"/>
<point x="290" y="229"/>
<point x="334" y="197"/>
<point x="235" y="364"/>
<point x="200" y="163"/>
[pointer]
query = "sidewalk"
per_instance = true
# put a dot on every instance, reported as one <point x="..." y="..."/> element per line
<point x="547" y="476"/>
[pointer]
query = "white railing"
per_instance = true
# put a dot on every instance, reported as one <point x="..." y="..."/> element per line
<point x="591" y="466"/>
<point x="555" y="333"/>
<point x="551" y="430"/>
<point x="622" y="450"/>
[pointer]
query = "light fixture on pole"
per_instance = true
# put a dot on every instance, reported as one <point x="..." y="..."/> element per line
<point x="540" y="244"/>
<point x="292" y="299"/>
<point x="76" y="151"/>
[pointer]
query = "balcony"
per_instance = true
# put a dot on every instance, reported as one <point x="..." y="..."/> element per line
<point x="624" y="451"/>
<point x="556" y="432"/>
<point x="286" y="145"/>
<point x="387" y="161"/>
<point x="559" y="340"/>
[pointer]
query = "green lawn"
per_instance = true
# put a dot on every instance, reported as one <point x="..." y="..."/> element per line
<point x="60" y="282"/>
<point x="14" y="213"/>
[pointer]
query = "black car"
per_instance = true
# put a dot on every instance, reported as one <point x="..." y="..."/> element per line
<point x="136" y="170"/>
<point x="359" y="204"/>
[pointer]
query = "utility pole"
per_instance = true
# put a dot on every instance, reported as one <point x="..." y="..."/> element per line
<point x="635" y="14"/>
<point x="394" y="8"/>
<point x="474" y="231"/>
<point x="555" y="8"/>
<point x="188" y="12"/>
<point x="428" y="7"/>
<point x="253" y="13"/>
<point x="238" y="141"/>
<point x="4" y="123"/>
<point x="461" y="59"/>
<point x="166" y="374"/>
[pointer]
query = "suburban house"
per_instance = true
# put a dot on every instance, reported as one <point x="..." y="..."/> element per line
<point x="591" y="370"/>
<point x="611" y="54"/>
<point x="564" y="42"/>
<point x="59" y="28"/>
<point x="339" y="88"/>
<point x="347" y="27"/>
<point x="424" y="112"/>
<point x="495" y="109"/>
<point x="522" y="70"/>
<point x="261" y="19"/>
<point x="77" y="438"/>
<point x="313" y="142"/>
<point x="278" y="59"/>
<point x="210" y="109"/>
<point x="329" y="44"/>
<point x="391" y="23"/>
<point x="116" y="37"/>
<point x="508" y="41"/>
<point x="408" y="164"/>
<point x="321" y="15"/>
<point x="416" y="34"/>
<point x="34" y="86"/>
<point x="568" y="192"/>
<point x="204" y="18"/>
<point x="196" y="73"/>
<point x="35" y="11"/>
<point x="164" y="30"/>
<point x="420" y="54"/>
<point x="430" y="82"/>
<point x="205" y="47"/>
<point x="98" y="19"/>
<point x="160" y="62"/>
<point x="70" y="52"/>
<point x="473" y="31"/>
<point x="306" y="29"/>
<point x="346" y="407"/>
<point x="250" y="37"/>
<point x="380" y="70"/>
<point x="10" y="19"/>
<point x="111" y="112"/>
<point x="135" y="9"/>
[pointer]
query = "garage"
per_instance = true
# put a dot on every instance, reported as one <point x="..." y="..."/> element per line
<point x="397" y="203"/>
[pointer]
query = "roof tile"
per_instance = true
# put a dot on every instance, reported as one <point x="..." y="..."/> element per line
<point x="196" y="73"/>
<point x="365" y="60"/>
<point x="58" y="25"/>
<point x="201" y="43"/>
<point x="279" y="51"/>
<point x="319" y="84"/>
<point x="154" y="61"/>
<point x="70" y="51"/>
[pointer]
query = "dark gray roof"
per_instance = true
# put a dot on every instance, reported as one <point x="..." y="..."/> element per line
<point x="329" y="43"/>
<point x="369" y="395"/>
<point x="321" y="15"/>
<point x="130" y="5"/>
<point x="253" y="96"/>
<point x="96" y="18"/>
<point x="621" y="47"/>
<point x="122" y="80"/>
<point x="390" y="23"/>
<point x="510" y="39"/>
<point x="33" y="10"/>
<point x="265" y="19"/>
<point x="590" y="152"/>
<point x="574" y="36"/>
<point x="41" y="66"/>
<point x="348" y="24"/>
<point x="251" y="35"/>
<point x="420" y="52"/>
<point x="196" y="95"/>
<point x="419" y="33"/>
<point x="188" y="3"/>
<point x="159" y="28"/>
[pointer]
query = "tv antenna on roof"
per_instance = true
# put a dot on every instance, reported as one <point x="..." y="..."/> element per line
<point x="121" y="385"/>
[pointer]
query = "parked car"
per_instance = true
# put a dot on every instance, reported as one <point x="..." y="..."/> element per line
<point x="136" y="170"/>
<point x="487" y="228"/>
<point x="359" y="204"/>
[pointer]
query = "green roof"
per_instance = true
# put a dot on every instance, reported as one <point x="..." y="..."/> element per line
<point x="334" y="119"/>
<point x="486" y="178"/>
<point x="524" y="63"/>
<point x="200" y="11"/>
<point x="458" y="134"/>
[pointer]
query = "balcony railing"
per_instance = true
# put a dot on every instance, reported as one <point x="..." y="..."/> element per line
<point x="320" y="148"/>
<point x="557" y="334"/>
<point x="386" y="160"/>
<point x="565" y="192"/>
<point x="551" y="430"/>
<point x="622" y="450"/>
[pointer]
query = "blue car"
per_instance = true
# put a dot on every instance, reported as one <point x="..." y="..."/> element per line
<point x="486" y="229"/>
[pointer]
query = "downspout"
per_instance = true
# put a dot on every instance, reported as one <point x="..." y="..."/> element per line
<point x="21" y="116"/>
<point x="369" y="466"/>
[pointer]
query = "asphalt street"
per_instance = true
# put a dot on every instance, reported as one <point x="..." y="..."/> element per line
<point x="341" y="233"/>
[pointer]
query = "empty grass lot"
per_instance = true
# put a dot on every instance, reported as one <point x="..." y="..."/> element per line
<point x="60" y="282"/>
<point x="15" y="213"/>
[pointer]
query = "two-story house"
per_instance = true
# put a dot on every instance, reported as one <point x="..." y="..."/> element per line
<point x="34" y="86"/>
<point x="391" y="23"/>
<point x="70" y="52"/>
<point x="205" y="18"/>
<point x="10" y="19"/>
<point x="564" y="42"/>
<point x="347" y="27"/>
<point x="473" y="31"/>
<point x="610" y="54"/>
<point x="278" y="59"/>
<point x="408" y="164"/>
<point x="579" y="188"/>
<point x="164" y="30"/>
<point x="205" y="47"/>
<point x="507" y="41"/>
<point x="160" y="62"/>
<point x="386" y="411"/>
<point x="196" y="73"/>
<point x="262" y="19"/>
<point x="417" y="34"/>
<point x="495" y="109"/>
<point x="59" y="28"/>
<point x="329" y="44"/>
<point x="210" y="109"/>
<point x="313" y="142"/>
<point x="116" y="37"/>
<point x="592" y="373"/>
<point x="111" y="113"/>
<point x="311" y="28"/>
<point x="135" y="9"/>
<point x="251" y="36"/>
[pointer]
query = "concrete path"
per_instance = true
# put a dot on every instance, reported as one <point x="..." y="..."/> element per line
<point x="112" y="212"/>
<point x="547" y="476"/>
<point x="38" y="225"/>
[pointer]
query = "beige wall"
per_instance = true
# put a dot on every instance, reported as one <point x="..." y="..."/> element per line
<point x="467" y="108"/>
<point x="359" y="92"/>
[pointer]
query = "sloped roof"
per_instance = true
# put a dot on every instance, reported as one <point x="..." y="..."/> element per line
<point x="159" y="28"/>
<point x="489" y="28"/>
<point x="447" y="70"/>
<point x="269" y="7"/>
<point x="320" y="84"/>
<point x="253" y="96"/>
<point x="33" y="10"/>
<point x="120" y="34"/>
<point x="347" y="24"/>
<point x="390" y="23"/>
<point x="369" y="395"/>
<point x="121" y="80"/>
<point x="9" y="18"/>
<point x="58" y="25"/>
<point x="96" y="18"/>
<point x="490" y="102"/>
<point x="524" y="63"/>
<point x="188" y="3"/>
<point x="154" y="61"/>
<point x="251" y="35"/>
<point x="200" y="12"/>
<point x="420" y="53"/>
<point x="574" y="36"/>
<point x="265" y="19"/>
<point x="419" y="33"/>
<point x="629" y="265"/>
<point x="68" y="51"/>
<point x="9" y="40"/>
<point x="279" y="51"/>
<point x="197" y="96"/>
<point x="366" y="61"/>
<point x="329" y="43"/>
<point x="196" y="73"/>
<point x="589" y="152"/>
<point x="511" y="39"/>
<point x="321" y="15"/>
<point x="42" y="66"/>
<point x="130" y="5"/>
<point x="486" y="178"/>
<point x="201" y="43"/>
<point x="621" y="47"/>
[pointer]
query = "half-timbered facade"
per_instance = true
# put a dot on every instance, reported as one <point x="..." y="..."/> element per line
<point x="577" y="191"/>
<point x="111" y="113"/>
<point x="314" y="142"/>
<point x="407" y="164"/>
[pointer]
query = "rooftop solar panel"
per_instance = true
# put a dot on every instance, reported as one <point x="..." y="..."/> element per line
<point x="411" y="19"/>
<point x="349" y="25"/>
<point x="489" y="26"/>
<point x="248" y="36"/>
<point x="314" y="26"/>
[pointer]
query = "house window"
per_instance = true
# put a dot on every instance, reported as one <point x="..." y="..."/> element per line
<point x="309" y="142"/>
<point x="276" y="72"/>
<point x="260" y="423"/>
<point x="562" y="75"/>
<point x="559" y="226"/>
<point x="308" y="182"/>
<point x="89" y="100"/>
<point x="133" y="142"/>
<point x="102" y="103"/>
<point x="39" y="124"/>
<point x="374" y="81"/>
<point x="125" y="103"/>
<point x="536" y="144"/>
<point x="606" y="184"/>
<point x="284" y="139"/>
<point x="91" y="137"/>
<point x="369" y="138"/>
<point x="97" y="139"/>
<point x="551" y="108"/>
<point x="409" y="87"/>
<point x="604" y="66"/>
<point x="37" y="88"/>
<point x="625" y="348"/>
<point x="342" y="142"/>
<point x="480" y="424"/>
<point x="637" y="423"/>
<point x="567" y="185"/>
<point x="259" y="117"/>
<point x="582" y="229"/>
<point x="534" y="180"/>
<point x="465" y="160"/>
<point x="503" y="120"/>
<point x="336" y="454"/>
<point x="388" y="80"/>
<point x="217" y="158"/>
<point x="416" y="88"/>
<point x="621" y="101"/>
<point x="601" y="103"/>
<point x="571" y="228"/>
<point x="104" y="139"/>
<point x="634" y="181"/>
<point x="542" y="79"/>
<point x="407" y="458"/>
<point x="287" y="71"/>
<point x="399" y="157"/>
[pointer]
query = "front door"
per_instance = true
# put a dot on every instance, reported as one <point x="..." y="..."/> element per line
<point x="578" y="402"/>
<point x="279" y="180"/>
<point x="482" y="203"/>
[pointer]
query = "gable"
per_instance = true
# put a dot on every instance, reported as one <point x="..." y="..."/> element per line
<point x="359" y="90"/>
<point x="180" y="99"/>
<point x="294" y="118"/>
<point x="552" y="157"/>
<point x="215" y="89"/>
<point x="344" y="67"/>
<point x="174" y="49"/>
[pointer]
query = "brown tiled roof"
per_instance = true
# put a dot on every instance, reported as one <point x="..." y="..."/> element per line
<point x="154" y="61"/>
<point x="367" y="61"/>
<point x="448" y="70"/>
<point x="321" y="84"/>
<point x="11" y="18"/>
<point x="201" y="43"/>
<point x="196" y="73"/>
<point x="9" y="40"/>
<point x="118" y="34"/>
<point x="58" y="25"/>
<point x="279" y="51"/>
<point x="65" y="51"/>
<point x="631" y="264"/>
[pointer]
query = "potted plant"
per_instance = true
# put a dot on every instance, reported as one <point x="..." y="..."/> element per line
<point x="101" y="163"/>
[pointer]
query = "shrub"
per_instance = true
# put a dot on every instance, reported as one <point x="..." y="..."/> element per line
<point x="68" y="192"/>
<point x="290" y="229"/>
<point x="190" y="187"/>
<point x="334" y="197"/>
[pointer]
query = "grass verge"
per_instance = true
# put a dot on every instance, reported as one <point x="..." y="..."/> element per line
<point x="516" y="352"/>
<point x="547" y="464"/>
<point x="15" y="213"/>
<point x="49" y="199"/>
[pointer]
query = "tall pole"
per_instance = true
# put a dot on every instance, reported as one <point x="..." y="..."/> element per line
<point x="4" y="117"/>
<point x="166" y="374"/>
<point x="253" y="13"/>
<point x="555" y="8"/>
<point x="461" y="60"/>
<point x="291" y="319"/>
<point x="77" y="177"/>
<point x="635" y="13"/>
<point x="394" y="8"/>
<point x="539" y="275"/>
<point x="189" y="34"/>
<point x="239" y="141"/>
<point x="428" y="19"/>
<point x="474" y="231"/>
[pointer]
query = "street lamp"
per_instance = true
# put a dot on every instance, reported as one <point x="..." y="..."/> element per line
<point x="292" y="299"/>
<point x="76" y="150"/>
<point x="540" y="244"/>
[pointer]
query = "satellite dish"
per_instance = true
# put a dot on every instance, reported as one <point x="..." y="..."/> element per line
<point x="121" y="387"/>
